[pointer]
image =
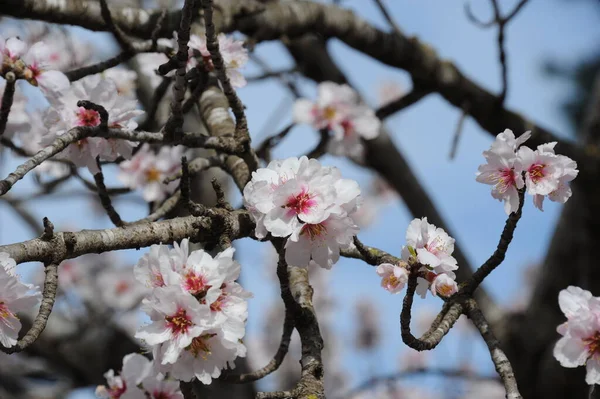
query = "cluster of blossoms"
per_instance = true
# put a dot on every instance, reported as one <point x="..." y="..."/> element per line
<point x="580" y="342"/>
<point x="310" y="204"/>
<point x="138" y="380"/>
<point x="197" y="309"/>
<point x="64" y="114"/>
<point x="511" y="166"/>
<point x="430" y="247"/>
<point x="147" y="169"/>
<point x="339" y="110"/>
<point x="33" y="63"/>
<point x="15" y="296"/>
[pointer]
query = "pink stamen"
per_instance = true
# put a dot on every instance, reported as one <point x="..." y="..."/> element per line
<point x="87" y="117"/>
<point x="300" y="203"/>
<point x="179" y="323"/>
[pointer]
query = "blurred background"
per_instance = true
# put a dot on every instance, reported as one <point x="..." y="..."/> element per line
<point x="553" y="57"/>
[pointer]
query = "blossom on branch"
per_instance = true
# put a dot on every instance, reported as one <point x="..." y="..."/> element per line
<point x="432" y="248"/>
<point x="147" y="170"/>
<point x="64" y="114"/>
<point x="511" y="166"/>
<point x="310" y="204"/>
<point x="580" y="342"/>
<point x="394" y="277"/>
<point x="33" y="64"/>
<point x="15" y="297"/>
<point x="198" y="311"/>
<point x="138" y="380"/>
<point x="235" y="56"/>
<point x="338" y="109"/>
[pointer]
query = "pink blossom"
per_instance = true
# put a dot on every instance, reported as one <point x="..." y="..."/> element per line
<point x="235" y="56"/>
<point x="444" y="285"/>
<point x="147" y="170"/>
<point x="15" y="297"/>
<point x="177" y="318"/>
<point x="502" y="171"/>
<point x="338" y="110"/>
<point x="64" y="114"/>
<point x="580" y="342"/>
<point x="125" y="386"/>
<point x="566" y="171"/>
<point x="320" y="242"/>
<point x="432" y="245"/>
<point x="204" y="358"/>
<point x="541" y="170"/>
<point x="394" y="277"/>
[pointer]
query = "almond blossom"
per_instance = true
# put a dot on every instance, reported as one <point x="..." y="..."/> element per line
<point x="566" y="171"/>
<point x="580" y="342"/>
<point x="394" y="277"/>
<point x="235" y="56"/>
<point x="177" y="318"/>
<point x="15" y="297"/>
<point x="147" y="170"/>
<point x="338" y="110"/>
<point x="512" y="166"/>
<point x="444" y="285"/>
<point x="309" y="204"/>
<point x="125" y="386"/>
<point x="64" y="114"/>
<point x="432" y="248"/>
<point x="198" y="310"/>
<point x="501" y="171"/>
<point x="34" y="64"/>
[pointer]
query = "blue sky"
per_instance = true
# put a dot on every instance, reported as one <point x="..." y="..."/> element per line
<point x="558" y="30"/>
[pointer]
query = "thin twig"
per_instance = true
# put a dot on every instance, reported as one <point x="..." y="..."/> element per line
<point x="116" y="31"/>
<point x="498" y="256"/>
<point x="264" y="149"/>
<point x="458" y="131"/>
<point x="431" y="338"/>
<point x="388" y="17"/>
<point x="175" y="121"/>
<point x="503" y="366"/>
<point x="403" y="102"/>
<point x="7" y="100"/>
<point x="105" y="198"/>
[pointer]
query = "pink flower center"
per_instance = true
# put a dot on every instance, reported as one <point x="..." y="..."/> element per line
<point x="160" y="395"/>
<point x="348" y="127"/>
<point x="217" y="306"/>
<point x="300" y="203"/>
<point x="87" y="117"/>
<point x="536" y="172"/>
<point x="116" y="391"/>
<point x="313" y="230"/>
<point x="200" y="346"/>
<point x="179" y="323"/>
<point x="122" y="287"/>
<point x="157" y="279"/>
<point x="593" y="344"/>
<point x="506" y="179"/>
<point x="195" y="283"/>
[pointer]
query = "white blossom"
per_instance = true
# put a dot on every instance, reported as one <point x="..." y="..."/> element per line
<point x="15" y="297"/>
<point x="339" y="110"/>
<point x="64" y="114"/>
<point x="147" y="170"/>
